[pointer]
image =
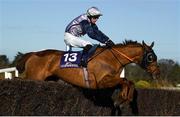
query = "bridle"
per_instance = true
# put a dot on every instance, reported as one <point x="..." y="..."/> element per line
<point x="112" y="49"/>
<point x="148" y="57"/>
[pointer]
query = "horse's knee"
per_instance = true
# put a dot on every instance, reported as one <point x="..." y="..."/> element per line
<point x="131" y="90"/>
<point x="131" y="84"/>
<point x="124" y="93"/>
<point x="127" y="91"/>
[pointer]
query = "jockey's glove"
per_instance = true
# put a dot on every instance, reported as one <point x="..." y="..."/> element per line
<point x="109" y="43"/>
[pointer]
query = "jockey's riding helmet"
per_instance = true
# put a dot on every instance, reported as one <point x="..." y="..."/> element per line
<point x="93" y="11"/>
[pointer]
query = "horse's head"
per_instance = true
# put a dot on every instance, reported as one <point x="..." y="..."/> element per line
<point x="149" y="61"/>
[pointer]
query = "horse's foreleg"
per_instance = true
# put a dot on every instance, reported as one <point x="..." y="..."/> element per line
<point x="131" y="91"/>
<point x="125" y="95"/>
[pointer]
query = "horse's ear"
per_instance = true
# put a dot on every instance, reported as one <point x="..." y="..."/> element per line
<point x="152" y="44"/>
<point x="145" y="46"/>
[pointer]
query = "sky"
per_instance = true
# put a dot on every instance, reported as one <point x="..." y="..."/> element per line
<point x="34" y="25"/>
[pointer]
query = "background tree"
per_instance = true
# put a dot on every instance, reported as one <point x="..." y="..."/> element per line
<point x="135" y="73"/>
<point x="166" y="67"/>
<point x="174" y="75"/>
<point x="170" y="72"/>
<point x="17" y="57"/>
<point x="4" y="61"/>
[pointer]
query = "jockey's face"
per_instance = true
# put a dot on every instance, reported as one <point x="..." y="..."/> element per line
<point x="94" y="19"/>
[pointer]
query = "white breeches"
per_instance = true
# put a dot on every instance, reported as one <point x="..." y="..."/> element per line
<point x="73" y="41"/>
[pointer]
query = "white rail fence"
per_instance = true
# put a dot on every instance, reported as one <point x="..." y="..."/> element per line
<point x="8" y="72"/>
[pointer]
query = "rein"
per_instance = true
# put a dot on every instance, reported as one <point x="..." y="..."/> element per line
<point x="97" y="54"/>
<point x="125" y="56"/>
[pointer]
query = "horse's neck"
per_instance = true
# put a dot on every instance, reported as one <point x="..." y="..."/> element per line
<point x="132" y="54"/>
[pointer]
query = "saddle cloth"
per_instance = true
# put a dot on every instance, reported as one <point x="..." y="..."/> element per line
<point x="72" y="59"/>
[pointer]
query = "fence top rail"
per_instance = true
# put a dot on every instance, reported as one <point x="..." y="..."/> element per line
<point x="8" y="69"/>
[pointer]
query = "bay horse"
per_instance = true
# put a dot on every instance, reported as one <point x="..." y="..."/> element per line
<point x="104" y="67"/>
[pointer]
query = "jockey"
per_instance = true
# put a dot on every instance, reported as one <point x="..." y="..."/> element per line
<point x="81" y="25"/>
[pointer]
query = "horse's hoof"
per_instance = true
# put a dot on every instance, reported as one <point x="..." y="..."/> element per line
<point x="121" y="106"/>
<point x="116" y="104"/>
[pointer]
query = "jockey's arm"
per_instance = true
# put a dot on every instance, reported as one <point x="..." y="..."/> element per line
<point x="93" y="32"/>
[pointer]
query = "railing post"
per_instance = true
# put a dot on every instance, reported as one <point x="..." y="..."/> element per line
<point x="16" y="73"/>
<point x="8" y="75"/>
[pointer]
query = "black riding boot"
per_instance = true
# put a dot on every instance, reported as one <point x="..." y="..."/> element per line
<point x="84" y="55"/>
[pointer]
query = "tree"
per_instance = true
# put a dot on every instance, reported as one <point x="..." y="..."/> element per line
<point x="4" y="61"/>
<point x="17" y="57"/>
<point x="136" y="73"/>
<point x="166" y="67"/>
<point x="174" y="76"/>
<point x="170" y="72"/>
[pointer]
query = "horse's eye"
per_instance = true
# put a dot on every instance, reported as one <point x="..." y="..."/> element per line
<point x="150" y="57"/>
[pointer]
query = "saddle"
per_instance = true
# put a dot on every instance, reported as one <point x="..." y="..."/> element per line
<point x="72" y="59"/>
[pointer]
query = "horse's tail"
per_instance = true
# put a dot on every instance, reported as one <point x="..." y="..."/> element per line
<point x="20" y="66"/>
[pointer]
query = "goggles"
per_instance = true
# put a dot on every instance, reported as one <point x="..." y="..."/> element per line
<point x="95" y="17"/>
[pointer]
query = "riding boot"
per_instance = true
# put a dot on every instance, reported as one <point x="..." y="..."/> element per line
<point x="84" y="55"/>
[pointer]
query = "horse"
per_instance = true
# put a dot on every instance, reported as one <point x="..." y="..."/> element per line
<point x="103" y="70"/>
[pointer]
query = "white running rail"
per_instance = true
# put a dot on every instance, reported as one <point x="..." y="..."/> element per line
<point x="8" y="72"/>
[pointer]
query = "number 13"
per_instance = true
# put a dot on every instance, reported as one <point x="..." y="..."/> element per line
<point x="70" y="57"/>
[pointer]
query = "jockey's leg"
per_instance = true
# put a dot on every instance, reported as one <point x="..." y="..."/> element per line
<point x="84" y="55"/>
<point x="74" y="41"/>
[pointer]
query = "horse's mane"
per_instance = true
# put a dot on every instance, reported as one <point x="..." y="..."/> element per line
<point x="128" y="42"/>
<point x="125" y="43"/>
